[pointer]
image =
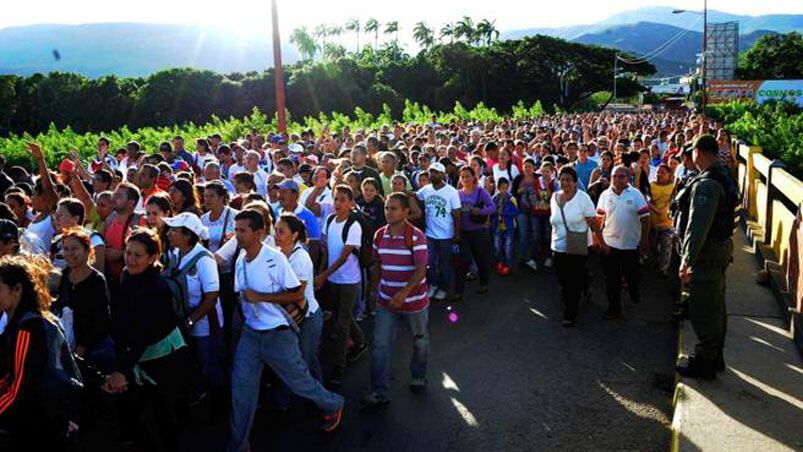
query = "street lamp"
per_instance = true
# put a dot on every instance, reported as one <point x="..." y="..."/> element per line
<point x="705" y="39"/>
<point x="278" y="69"/>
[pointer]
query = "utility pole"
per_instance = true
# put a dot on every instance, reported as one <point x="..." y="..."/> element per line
<point x="705" y="59"/>
<point x="278" y="70"/>
<point x="615" y="73"/>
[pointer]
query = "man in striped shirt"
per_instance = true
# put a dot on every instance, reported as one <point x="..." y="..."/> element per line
<point x="400" y="290"/>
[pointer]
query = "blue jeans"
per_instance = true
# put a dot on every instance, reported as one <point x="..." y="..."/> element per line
<point x="309" y="340"/>
<point x="205" y="350"/>
<point x="534" y="236"/>
<point x="503" y="246"/>
<point x="440" y="269"/>
<point x="278" y="348"/>
<point x="385" y="329"/>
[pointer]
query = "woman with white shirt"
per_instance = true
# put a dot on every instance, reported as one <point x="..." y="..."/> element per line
<point x="290" y="235"/>
<point x="189" y="256"/>
<point x="573" y="209"/>
<point x="505" y="167"/>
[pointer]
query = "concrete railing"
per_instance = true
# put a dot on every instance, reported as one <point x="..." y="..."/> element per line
<point x="772" y="197"/>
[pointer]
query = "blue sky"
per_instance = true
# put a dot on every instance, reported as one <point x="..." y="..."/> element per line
<point x="251" y="16"/>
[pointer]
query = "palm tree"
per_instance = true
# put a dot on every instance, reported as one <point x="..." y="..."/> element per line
<point x="321" y="32"/>
<point x="448" y="31"/>
<point x="464" y="28"/>
<point x="423" y="35"/>
<point x="392" y="27"/>
<point x="304" y="42"/>
<point x="335" y="30"/>
<point x="353" y="25"/>
<point x="487" y="31"/>
<point x="373" y="25"/>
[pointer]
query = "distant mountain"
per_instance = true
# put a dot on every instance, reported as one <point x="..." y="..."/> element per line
<point x="132" y="49"/>
<point x="645" y="37"/>
<point x="135" y="49"/>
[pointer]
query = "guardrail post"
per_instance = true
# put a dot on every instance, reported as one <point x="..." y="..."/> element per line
<point x="751" y="175"/>
<point x="772" y="194"/>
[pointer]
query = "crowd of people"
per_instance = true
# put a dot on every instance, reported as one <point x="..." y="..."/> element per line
<point x="172" y="277"/>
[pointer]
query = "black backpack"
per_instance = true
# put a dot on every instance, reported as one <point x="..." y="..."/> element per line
<point x="177" y="281"/>
<point x="60" y="385"/>
<point x="365" y="254"/>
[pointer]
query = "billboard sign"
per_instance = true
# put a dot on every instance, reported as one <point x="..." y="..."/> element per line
<point x="760" y="91"/>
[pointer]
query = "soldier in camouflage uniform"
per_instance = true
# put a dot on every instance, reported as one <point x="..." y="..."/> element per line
<point x="706" y="252"/>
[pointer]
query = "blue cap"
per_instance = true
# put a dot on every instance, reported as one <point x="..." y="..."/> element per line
<point x="288" y="184"/>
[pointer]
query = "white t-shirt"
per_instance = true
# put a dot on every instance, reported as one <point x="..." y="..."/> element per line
<point x="217" y="229"/>
<point x="349" y="272"/>
<point x="438" y="205"/>
<point x="43" y="229"/>
<point x="269" y="272"/>
<point x="622" y="228"/>
<point x="261" y="182"/>
<point x="325" y="200"/>
<point x="235" y="168"/>
<point x="226" y="252"/>
<point x="203" y="279"/>
<point x="301" y="264"/>
<point x="499" y="173"/>
<point x="202" y="160"/>
<point x="576" y="210"/>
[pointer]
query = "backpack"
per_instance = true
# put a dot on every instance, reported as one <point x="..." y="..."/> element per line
<point x="365" y="253"/>
<point x="409" y="230"/>
<point x="727" y="216"/>
<point x="176" y="280"/>
<point x="60" y="385"/>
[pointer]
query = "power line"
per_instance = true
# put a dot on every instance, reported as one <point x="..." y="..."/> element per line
<point x="662" y="48"/>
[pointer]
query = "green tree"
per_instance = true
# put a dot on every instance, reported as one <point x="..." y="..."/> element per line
<point x="353" y="25"/>
<point x="392" y="27"/>
<point x="773" y="56"/>
<point x="321" y="32"/>
<point x="464" y="29"/>
<point x="372" y="25"/>
<point x="486" y="31"/>
<point x="423" y="35"/>
<point x="304" y="42"/>
<point x="448" y="31"/>
<point x="335" y="30"/>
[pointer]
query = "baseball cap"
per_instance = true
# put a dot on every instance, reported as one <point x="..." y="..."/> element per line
<point x="288" y="184"/>
<point x="66" y="166"/>
<point x="190" y="221"/>
<point x="296" y="148"/>
<point x="8" y="230"/>
<point x="276" y="139"/>
<point x="437" y="166"/>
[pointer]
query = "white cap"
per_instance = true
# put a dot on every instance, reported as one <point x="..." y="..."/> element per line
<point x="190" y="221"/>
<point x="296" y="148"/>
<point x="437" y="166"/>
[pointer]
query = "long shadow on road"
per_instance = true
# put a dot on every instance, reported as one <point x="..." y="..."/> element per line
<point x="506" y="376"/>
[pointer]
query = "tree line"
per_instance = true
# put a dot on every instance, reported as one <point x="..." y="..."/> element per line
<point x="460" y="67"/>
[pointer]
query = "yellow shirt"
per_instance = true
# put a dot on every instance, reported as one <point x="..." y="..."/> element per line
<point x="661" y="197"/>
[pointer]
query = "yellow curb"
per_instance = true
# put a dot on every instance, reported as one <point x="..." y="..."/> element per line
<point x="677" y="399"/>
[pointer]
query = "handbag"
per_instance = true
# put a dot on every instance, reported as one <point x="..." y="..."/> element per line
<point x="576" y="242"/>
<point x="479" y="219"/>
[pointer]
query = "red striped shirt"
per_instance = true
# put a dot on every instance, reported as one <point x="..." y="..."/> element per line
<point x="398" y="263"/>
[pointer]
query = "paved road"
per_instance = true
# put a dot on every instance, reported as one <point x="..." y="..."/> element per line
<point x="506" y="376"/>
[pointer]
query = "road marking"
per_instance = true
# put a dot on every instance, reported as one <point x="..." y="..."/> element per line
<point x="471" y="421"/>
<point x="448" y="383"/>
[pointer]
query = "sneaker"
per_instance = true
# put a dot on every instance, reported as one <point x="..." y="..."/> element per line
<point x="331" y="421"/>
<point x="356" y="353"/>
<point x="505" y="270"/>
<point x="612" y="315"/>
<point x="499" y="265"/>
<point x="374" y="400"/>
<point x="532" y="264"/>
<point x="432" y="291"/>
<point x="418" y="384"/>
<point x="471" y="276"/>
<point x="698" y="368"/>
<point x="548" y="262"/>
<point x="440" y="295"/>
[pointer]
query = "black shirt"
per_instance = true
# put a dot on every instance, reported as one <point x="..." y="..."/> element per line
<point x="89" y="300"/>
<point x="142" y="315"/>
